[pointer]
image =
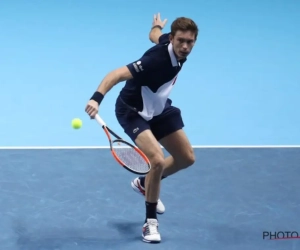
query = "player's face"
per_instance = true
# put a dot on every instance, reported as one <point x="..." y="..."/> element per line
<point x="183" y="43"/>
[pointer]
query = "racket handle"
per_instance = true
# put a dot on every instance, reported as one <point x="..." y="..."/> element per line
<point x="99" y="120"/>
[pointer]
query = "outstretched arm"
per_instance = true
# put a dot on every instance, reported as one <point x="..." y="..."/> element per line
<point x="108" y="82"/>
<point x="157" y="26"/>
<point x="135" y="69"/>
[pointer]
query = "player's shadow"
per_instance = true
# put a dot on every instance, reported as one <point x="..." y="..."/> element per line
<point x="111" y="235"/>
<point x="126" y="228"/>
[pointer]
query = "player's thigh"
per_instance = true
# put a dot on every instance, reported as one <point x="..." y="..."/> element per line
<point x="168" y="129"/>
<point x="178" y="145"/>
<point x="147" y="142"/>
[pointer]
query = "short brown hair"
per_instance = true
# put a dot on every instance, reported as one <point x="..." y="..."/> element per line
<point x="184" y="24"/>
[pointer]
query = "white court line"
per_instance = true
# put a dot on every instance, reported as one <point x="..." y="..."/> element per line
<point x="107" y="147"/>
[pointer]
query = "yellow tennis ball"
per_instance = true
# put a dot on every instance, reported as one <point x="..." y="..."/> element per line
<point x="76" y="123"/>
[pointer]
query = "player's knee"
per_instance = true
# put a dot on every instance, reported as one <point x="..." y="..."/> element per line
<point x="188" y="158"/>
<point x="157" y="163"/>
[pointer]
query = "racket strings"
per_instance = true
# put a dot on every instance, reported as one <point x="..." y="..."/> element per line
<point x="131" y="158"/>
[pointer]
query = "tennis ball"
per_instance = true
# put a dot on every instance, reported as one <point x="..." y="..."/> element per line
<point x="76" y="123"/>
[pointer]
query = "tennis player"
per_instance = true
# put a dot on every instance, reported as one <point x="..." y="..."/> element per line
<point x="146" y="113"/>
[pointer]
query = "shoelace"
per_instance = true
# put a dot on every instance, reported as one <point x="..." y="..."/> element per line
<point x="152" y="226"/>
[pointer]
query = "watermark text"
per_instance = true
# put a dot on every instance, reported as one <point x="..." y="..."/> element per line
<point x="280" y="235"/>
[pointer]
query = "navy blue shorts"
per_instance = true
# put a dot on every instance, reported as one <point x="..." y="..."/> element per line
<point x="162" y="125"/>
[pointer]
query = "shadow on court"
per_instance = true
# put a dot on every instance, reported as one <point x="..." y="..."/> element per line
<point x="81" y="199"/>
<point x="115" y="236"/>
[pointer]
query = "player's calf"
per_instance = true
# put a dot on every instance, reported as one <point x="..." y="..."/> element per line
<point x="152" y="185"/>
<point x="149" y="145"/>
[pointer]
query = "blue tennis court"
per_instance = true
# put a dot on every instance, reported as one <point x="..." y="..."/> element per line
<point x="67" y="199"/>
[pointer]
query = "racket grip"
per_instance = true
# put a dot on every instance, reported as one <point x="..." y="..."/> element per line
<point x="99" y="120"/>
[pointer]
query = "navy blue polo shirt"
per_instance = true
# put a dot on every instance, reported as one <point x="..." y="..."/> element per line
<point x="154" y="76"/>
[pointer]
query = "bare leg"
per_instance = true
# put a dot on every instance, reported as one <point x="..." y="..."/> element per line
<point x="181" y="152"/>
<point x="149" y="145"/>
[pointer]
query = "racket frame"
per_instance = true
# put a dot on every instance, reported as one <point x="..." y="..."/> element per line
<point x="108" y="131"/>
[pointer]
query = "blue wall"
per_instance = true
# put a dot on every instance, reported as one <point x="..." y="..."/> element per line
<point x="241" y="84"/>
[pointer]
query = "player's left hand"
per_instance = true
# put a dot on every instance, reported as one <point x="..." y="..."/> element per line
<point x="158" y="21"/>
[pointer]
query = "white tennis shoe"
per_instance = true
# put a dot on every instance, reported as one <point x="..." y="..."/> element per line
<point x="150" y="231"/>
<point x="137" y="187"/>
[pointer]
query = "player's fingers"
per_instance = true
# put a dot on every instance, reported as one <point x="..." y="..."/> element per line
<point x="94" y="109"/>
<point x="158" y="16"/>
<point x="93" y="113"/>
<point x="165" y="21"/>
<point x="88" y="108"/>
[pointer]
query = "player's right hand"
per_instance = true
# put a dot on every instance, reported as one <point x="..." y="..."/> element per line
<point x="92" y="108"/>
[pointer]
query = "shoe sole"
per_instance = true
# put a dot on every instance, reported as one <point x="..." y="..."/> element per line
<point x="151" y="241"/>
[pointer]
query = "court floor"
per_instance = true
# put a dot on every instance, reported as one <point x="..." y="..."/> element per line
<point x="69" y="199"/>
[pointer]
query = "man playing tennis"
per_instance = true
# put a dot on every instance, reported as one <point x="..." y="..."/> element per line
<point x="146" y="114"/>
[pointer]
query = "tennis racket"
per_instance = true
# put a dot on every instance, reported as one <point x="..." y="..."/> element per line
<point x="126" y="154"/>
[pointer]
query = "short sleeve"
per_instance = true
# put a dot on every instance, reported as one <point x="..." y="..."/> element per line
<point x="164" y="38"/>
<point x="143" y="66"/>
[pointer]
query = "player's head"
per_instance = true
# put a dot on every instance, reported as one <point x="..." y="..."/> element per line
<point x="184" y="32"/>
